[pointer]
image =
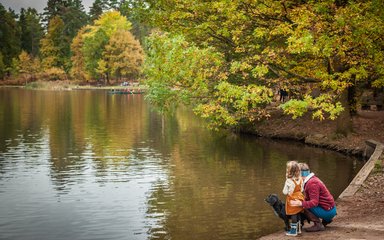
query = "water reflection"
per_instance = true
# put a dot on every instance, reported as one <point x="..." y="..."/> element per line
<point x="88" y="165"/>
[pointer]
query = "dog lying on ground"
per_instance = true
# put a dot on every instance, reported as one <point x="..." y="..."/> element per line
<point x="279" y="209"/>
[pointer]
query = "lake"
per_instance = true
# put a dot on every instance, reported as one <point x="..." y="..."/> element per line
<point x="86" y="164"/>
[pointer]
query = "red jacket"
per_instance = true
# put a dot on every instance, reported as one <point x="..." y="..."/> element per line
<point x="317" y="194"/>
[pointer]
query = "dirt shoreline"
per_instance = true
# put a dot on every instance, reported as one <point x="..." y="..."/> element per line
<point x="367" y="125"/>
<point x="359" y="216"/>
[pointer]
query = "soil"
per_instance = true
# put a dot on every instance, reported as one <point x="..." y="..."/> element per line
<point x="367" y="125"/>
<point x="359" y="216"/>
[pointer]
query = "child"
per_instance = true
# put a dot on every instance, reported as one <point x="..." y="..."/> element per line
<point x="293" y="188"/>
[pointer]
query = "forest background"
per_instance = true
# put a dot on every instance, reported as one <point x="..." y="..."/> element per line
<point x="225" y="59"/>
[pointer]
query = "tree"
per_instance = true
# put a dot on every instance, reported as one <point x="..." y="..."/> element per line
<point x="168" y="84"/>
<point x="77" y="58"/>
<point x="25" y="62"/>
<point x="134" y="11"/>
<point x="123" y="54"/>
<point x="53" y="49"/>
<point x="106" y="48"/>
<point x="60" y="8"/>
<point x="97" y="36"/>
<point x="102" y="69"/>
<point x="27" y="66"/>
<point x="100" y="6"/>
<point x="333" y="46"/>
<point x="97" y="8"/>
<point x="31" y="30"/>
<point x="9" y="36"/>
<point x="73" y="16"/>
<point x="13" y="69"/>
<point x="53" y="8"/>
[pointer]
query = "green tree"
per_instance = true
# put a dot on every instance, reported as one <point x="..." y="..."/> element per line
<point x="31" y="30"/>
<point x="74" y="18"/>
<point x="97" y="36"/>
<point x="100" y="6"/>
<point x="9" y="36"/>
<point x="53" y="8"/>
<point x="61" y="8"/>
<point x="13" y="68"/>
<point x="73" y="15"/>
<point x="97" y="8"/>
<point x="168" y="84"/>
<point x="333" y="46"/>
<point x="134" y="11"/>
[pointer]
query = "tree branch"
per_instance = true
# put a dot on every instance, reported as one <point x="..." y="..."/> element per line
<point x="302" y="78"/>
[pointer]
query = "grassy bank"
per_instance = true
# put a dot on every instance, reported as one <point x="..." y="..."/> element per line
<point x="72" y="85"/>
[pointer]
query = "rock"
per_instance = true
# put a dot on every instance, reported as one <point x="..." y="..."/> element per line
<point x="317" y="139"/>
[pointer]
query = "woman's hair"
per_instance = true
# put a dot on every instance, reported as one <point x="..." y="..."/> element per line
<point x="293" y="170"/>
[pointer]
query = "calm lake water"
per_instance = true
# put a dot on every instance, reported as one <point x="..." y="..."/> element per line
<point x="88" y="165"/>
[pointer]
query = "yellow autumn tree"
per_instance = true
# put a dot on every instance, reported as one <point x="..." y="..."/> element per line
<point x="53" y="49"/>
<point x="123" y="55"/>
<point x="106" y="49"/>
<point x="77" y="59"/>
<point x="28" y="66"/>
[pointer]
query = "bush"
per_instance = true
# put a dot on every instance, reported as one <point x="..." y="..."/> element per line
<point x="54" y="73"/>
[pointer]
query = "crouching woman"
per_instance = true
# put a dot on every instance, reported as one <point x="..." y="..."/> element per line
<point x="319" y="202"/>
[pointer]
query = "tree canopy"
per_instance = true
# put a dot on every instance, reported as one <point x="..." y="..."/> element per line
<point x="31" y="30"/>
<point x="9" y="36"/>
<point x="333" y="47"/>
<point x="227" y="59"/>
<point x="62" y="39"/>
<point x="53" y="48"/>
<point x="107" y="48"/>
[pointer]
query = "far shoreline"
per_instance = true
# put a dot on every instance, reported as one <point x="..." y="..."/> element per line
<point x="72" y="85"/>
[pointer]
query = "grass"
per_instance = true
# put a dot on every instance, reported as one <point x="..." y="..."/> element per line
<point x="71" y="85"/>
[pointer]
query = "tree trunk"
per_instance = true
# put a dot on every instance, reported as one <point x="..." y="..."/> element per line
<point x="344" y="121"/>
<point x="352" y="101"/>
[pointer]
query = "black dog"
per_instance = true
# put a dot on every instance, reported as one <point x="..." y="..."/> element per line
<point x="279" y="209"/>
